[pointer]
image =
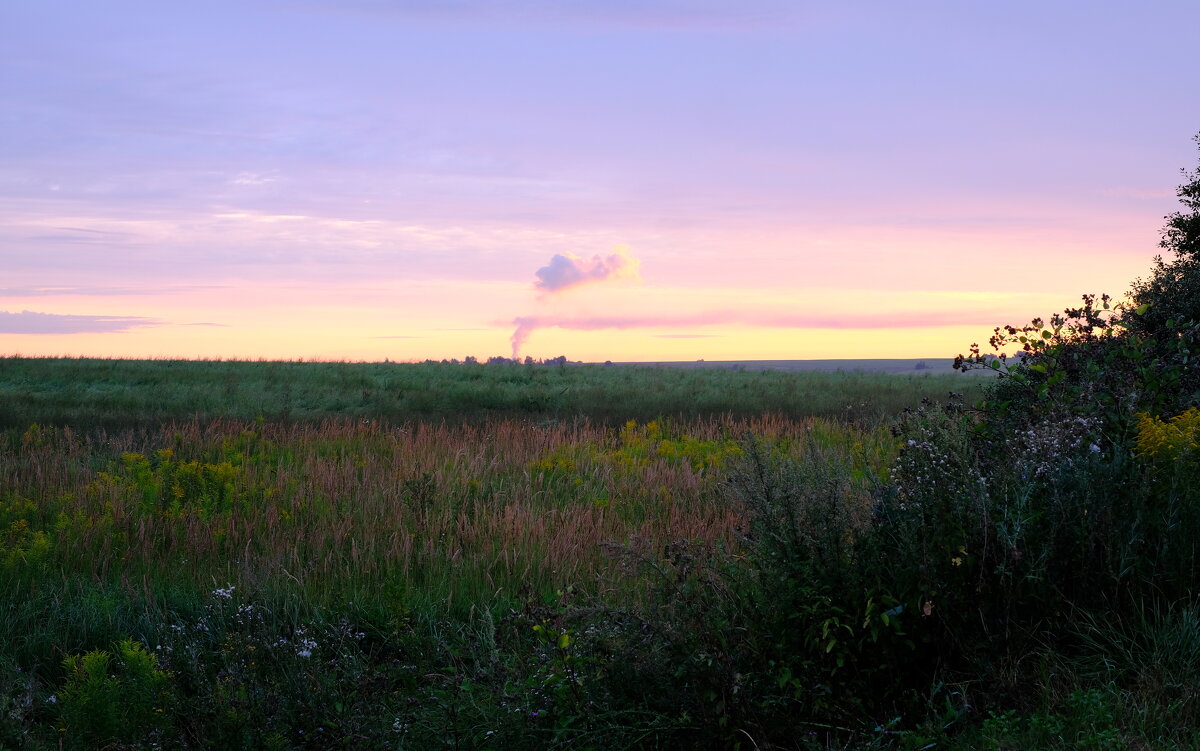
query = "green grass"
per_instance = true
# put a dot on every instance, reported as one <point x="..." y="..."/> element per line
<point x="89" y="393"/>
<point x="333" y="555"/>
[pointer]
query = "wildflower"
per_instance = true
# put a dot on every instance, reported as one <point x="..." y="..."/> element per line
<point x="224" y="594"/>
<point x="305" y="644"/>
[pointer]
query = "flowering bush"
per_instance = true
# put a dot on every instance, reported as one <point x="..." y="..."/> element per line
<point x="1168" y="441"/>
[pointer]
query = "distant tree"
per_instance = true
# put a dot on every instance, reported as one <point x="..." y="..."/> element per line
<point x="1170" y="298"/>
<point x="1109" y="359"/>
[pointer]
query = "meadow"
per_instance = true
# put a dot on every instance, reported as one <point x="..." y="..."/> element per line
<point x="95" y="393"/>
<point x="337" y="555"/>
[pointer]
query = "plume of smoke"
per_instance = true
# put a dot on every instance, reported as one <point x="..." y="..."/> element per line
<point x="567" y="270"/>
<point x="526" y="325"/>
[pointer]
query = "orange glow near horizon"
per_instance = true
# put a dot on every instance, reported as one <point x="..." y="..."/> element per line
<point x="621" y="319"/>
<point x="727" y="187"/>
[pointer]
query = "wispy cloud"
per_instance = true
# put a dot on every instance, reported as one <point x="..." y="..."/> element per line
<point x="659" y="14"/>
<point x="30" y="322"/>
<point x="87" y="231"/>
<point x="38" y="291"/>
<point x="567" y="270"/>
<point x="526" y="325"/>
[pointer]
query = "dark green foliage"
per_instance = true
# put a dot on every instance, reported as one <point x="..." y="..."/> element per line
<point x="1170" y="298"/>
<point x="1045" y="506"/>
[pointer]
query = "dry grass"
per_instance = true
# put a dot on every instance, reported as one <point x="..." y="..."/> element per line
<point x="503" y="508"/>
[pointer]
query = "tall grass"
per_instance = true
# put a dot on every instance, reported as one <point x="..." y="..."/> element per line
<point x="499" y="507"/>
<point x="438" y="536"/>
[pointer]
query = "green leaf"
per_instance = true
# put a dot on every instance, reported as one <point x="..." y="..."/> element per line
<point x="1143" y="308"/>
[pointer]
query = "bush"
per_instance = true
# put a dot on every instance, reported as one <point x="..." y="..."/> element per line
<point x="117" y="697"/>
<point x="1066" y="494"/>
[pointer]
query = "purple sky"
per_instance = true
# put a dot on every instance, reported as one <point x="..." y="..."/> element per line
<point x="369" y="179"/>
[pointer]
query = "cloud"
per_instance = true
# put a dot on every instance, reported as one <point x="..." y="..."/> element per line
<point x="657" y="14"/>
<point x="251" y="178"/>
<point x="567" y="270"/>
<point x="526" y="325"/>
<point x="29" y="322"/>
<point x="100" y="291"/>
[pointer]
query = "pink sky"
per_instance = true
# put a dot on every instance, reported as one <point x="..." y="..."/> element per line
<point x="614" y="180"/>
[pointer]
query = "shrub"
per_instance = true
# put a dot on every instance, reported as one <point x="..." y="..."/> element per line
<point x="115" y="697"/>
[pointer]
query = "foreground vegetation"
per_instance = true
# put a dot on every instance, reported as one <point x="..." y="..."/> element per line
<point x="1014" y="572"/>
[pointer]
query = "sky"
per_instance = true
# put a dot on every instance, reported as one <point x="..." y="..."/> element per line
<point x="624" y="180"/>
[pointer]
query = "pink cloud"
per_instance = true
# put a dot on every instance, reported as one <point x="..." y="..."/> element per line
<point x="567" y="270"/>
<point x="526" y="325"/>
<point x="29" y="322"/>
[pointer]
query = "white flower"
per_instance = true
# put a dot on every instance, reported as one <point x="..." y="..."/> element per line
<point x="225" y="594"/>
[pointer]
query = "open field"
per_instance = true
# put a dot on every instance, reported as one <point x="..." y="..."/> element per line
<point x="333" y="555"/>
<point x="115" y="393"/>
<point x="894" y="366"/>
